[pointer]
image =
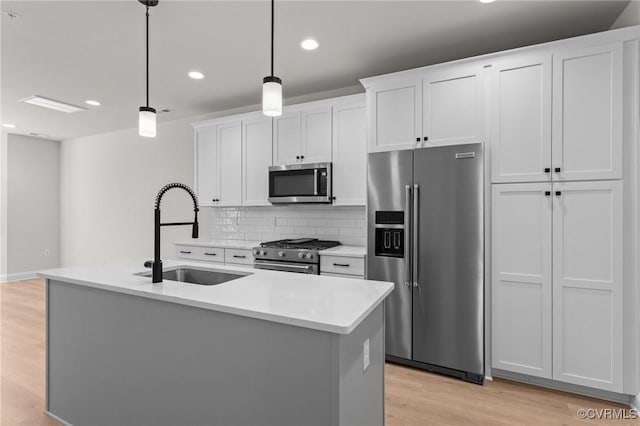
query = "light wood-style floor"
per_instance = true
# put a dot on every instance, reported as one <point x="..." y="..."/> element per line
<point x="413" y="397"/>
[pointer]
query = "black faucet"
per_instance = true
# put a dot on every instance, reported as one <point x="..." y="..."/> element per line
<point x="156" y="264"/>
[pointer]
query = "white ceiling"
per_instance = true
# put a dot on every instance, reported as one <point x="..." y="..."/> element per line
<point x="78" y="50"/>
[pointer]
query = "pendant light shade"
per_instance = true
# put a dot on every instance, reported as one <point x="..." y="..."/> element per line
<point x="147" y="115"/>
<point x="272" y="96"/>
<point x="147" y="122"/>
<point x="272" y="85"/>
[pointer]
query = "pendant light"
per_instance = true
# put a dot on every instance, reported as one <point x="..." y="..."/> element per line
<point x="272" y="85"/>
<point x="147" y="115"/>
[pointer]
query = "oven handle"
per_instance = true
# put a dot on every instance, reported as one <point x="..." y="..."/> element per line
<point x="281" y="266"/>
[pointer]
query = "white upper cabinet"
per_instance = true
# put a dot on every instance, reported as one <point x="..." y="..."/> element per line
<point x="395" y="114"/>
<point x="521" y="119"/>
<point x="256" y="159"/>
<point x="302" y="134"/>
<point x="316" y="135"/>
<point x="218" y="155"/>
<point x="521" y="278"/>
<point x="350" y="153"/>
<point x="587" y="113"/>
<point x="286" y="138"/>
<point x="452" y="105"/>
<point x="587" y="280"/>
<point x="230" y="156"/>
<point x="206" y="160"/>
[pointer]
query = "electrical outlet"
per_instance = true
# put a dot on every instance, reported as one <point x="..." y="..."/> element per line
<point x="366" y="356"/>
<point x="47" y="252"/>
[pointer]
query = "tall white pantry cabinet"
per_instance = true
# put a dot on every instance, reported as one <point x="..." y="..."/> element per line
<point x="564" y="217"/>
<point x="560" y="126"/>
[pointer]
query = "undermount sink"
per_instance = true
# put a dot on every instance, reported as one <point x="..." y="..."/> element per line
<point x="198" y="276"/>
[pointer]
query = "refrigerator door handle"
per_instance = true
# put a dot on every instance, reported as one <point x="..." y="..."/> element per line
<point x="414" y="235"/>
<point x="407" y="240"/>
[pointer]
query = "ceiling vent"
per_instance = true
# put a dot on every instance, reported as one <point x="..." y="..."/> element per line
<point x="52" y="104"/>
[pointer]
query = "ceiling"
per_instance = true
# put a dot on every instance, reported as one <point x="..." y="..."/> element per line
<point x="78" y="50"/>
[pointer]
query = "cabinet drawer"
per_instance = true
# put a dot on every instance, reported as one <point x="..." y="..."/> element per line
<point x="210" y="254"/>
<point x="342" y="265"/>
<point x="239" y="256"/>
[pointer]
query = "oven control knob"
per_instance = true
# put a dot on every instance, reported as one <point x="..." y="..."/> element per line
<point x="309" y="256"/>
<point x="256" y="252"/>
<point x="281" y="253"/>
<point x="263" y="253"/>
<point x="300" y="255"/>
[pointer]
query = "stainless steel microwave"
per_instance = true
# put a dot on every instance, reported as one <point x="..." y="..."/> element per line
<point x="300" y="183"/>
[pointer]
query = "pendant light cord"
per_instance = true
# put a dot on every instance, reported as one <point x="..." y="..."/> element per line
<point x="272" y="30"/>
<point x="147" y="15"/>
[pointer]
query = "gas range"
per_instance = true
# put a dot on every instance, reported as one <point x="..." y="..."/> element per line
<point x="295" y="255"/>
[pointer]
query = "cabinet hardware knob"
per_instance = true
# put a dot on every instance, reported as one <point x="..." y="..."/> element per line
<point x="297" y="157"/>
<point x="239" y="257"/>
<point x="302" y="157"/>
<point x="547" y="169"/>
<point x="418" y="139"/>
<point x="547" y="193"/>
<point x="557" y="169"/>
<point x="426" y="138"/>
<point x="558" y="193"/>
<point x="211" y="254"/>
<point x="185" y="252"/>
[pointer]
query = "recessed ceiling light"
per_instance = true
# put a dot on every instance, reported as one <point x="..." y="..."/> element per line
<point x="309" y="44"/>
<point x="487" y="1"/>
<point x="52" y="104"/>
<point x="92" y="102"/>
<point x="196" y="75"/>
<point x="9" y="125"/>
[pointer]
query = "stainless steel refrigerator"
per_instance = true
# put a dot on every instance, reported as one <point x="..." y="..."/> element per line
<point x="426" y="234"/>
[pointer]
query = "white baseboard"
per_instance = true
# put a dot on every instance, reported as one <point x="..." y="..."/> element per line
<point x="19" y="276"/>
<point x="635" y="402"/>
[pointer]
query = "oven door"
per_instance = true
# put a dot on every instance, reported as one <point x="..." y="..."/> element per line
<point x="300" y="183"/>
<point x="301" y="268"/>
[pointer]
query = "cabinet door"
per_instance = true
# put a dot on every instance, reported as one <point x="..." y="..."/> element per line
<point x="521" y="278"/>
<point x="286" y="138"/>
<point x="349" y="154"/>
<point x="395" y="119"/>
<point x="206" y="158"/>
<point x="316" y="135"/>
<point x="521" y="119"/>
<point x="587" y="113"/>
<point x="587" y="284"/>
<point x="453" y="106"/>
<point x="256" y="159"/>
<point x="230" y="163"/>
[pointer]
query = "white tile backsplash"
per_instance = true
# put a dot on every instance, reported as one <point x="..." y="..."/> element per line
<point x="344" y="224"/>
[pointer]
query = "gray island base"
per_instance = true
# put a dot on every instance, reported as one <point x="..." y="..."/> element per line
<point x="121" y="359"/>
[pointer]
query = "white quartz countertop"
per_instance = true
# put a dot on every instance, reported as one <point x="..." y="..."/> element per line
<point x="331" y="304"/>
<point x="345" y="251"/>
<point x="220" y="243"/>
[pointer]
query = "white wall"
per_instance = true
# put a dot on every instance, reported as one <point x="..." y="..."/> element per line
<point x="344" y="224"/>
<point x="32" y="205"/>
<point x="629" y="16"/>
<point x="108" y="187"/>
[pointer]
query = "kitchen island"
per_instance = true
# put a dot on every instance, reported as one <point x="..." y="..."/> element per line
<point x="267" y="348"/>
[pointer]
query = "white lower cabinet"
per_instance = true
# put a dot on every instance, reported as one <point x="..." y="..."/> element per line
<point x="342" y="266"/>
<point x="587" y="284"/>
<point x="557" y="281"/>
<point x="521" y="270"/>
<point x="230" y="256"/>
